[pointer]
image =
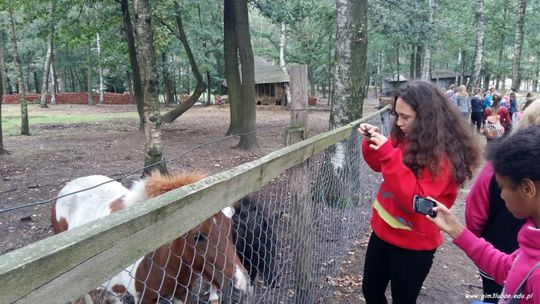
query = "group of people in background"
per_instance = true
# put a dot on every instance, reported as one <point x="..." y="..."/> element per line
<point x="431" y="151"/>
<point x="484" y="104"/>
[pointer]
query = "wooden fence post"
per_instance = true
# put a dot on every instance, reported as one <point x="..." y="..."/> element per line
<point x="298" y="105"/>
<point x="300" y="187"/>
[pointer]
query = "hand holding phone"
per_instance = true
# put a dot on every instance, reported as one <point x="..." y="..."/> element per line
<point x="366" y="130"/>
<point x="424" y="205"/>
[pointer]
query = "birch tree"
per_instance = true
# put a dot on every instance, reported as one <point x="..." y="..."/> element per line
<point x="100" y="69"/>
<point x="518" y="45"/>
<point x="351" y="53"/>
<point x="153" y="147"/>
<point x="282" y="63"/>
<point x="426" y="60"/>
<point x="48" y="59"/>
<point x="479" y="48"/>
<point x="25" y="126"/>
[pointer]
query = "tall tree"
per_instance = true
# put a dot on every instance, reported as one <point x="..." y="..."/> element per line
<point x="2" y="150"/>
<point x="351" y="52"/>
<point x="426" y="64"/>
<point x="282" y="50"/>
<point x="25" y="126"/>
<point x="134" y="63"/>
<point x="3" y="80"/>
<point x="153" y="148"/>
<point x="240" y="72"/>
<point x="518" y="45"/>
<point x="201" y="85"/>
<point x="48" y="58"/>
<point x="100" y="69"/>
<point x="479" y="48"/>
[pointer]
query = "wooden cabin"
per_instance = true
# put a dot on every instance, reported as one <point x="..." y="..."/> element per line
<point x="270" y="83"/>
<point x="391" y="83"/>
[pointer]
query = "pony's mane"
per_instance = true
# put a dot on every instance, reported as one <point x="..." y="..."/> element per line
<point x="157" y="184"/>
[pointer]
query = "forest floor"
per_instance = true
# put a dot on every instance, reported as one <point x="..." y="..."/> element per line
<point x="39" y="165"/>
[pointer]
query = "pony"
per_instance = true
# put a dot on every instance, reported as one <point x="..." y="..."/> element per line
<point x="168" y="273"/>
<point x="255" y="241"/>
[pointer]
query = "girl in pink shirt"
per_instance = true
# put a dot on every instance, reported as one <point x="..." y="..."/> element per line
<point x="517" y="171"/>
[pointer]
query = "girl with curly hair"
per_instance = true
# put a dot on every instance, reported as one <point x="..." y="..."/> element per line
<point x="432" y="151"/>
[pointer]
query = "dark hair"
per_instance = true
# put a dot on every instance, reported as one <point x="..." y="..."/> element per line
<point x="516" y="157"/>
<point x="439" y="132"/>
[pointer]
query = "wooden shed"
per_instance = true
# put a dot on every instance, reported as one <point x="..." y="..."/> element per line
<point x="444" y="78"/>
<point x="270" y="83"/>
<point x="391" y="83"/>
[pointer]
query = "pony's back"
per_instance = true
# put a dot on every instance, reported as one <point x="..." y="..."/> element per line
<point x="80" y="208"/>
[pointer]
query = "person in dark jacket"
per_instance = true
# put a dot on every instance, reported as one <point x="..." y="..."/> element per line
<point x="513" y="104"/>
<point x="477" y="110"/>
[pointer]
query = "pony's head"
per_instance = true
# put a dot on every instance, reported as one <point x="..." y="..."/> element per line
<point x="207" y="250"/>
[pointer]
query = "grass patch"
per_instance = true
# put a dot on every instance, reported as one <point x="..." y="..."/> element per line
<point x="12" y="125"/>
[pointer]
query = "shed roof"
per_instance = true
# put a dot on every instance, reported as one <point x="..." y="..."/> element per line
<point x="445" y="74"/>
<point x="395" y="78"/>
<point x="265" y="72"/>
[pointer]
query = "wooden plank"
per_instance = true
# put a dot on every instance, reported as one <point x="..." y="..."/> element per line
<point x="65" y="266"/>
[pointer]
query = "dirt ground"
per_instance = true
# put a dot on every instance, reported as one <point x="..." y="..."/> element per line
<point x="40" y="164"/>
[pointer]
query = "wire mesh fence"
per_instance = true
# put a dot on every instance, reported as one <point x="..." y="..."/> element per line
<point x="281" y="244"/>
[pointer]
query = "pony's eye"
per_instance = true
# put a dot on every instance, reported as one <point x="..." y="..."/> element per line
<point x="199" y="238"/>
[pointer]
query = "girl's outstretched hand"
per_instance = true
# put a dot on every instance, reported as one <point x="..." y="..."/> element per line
<point x="446" y="220"/>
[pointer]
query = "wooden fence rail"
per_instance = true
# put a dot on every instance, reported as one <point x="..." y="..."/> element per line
<point x="63" y="267"/>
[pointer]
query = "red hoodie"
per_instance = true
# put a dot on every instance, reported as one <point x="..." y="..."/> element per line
<point x="393" y="218"/>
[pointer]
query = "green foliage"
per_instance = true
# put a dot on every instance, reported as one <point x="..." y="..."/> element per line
<point x="395" y="28"/>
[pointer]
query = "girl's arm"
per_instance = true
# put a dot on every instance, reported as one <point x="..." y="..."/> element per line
<point x="494" y="262"/>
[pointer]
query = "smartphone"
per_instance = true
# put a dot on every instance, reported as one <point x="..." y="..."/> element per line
<point x="424" y="206"/>
<point x="366" y="130"/>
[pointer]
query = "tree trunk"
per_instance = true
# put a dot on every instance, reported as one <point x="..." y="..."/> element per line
<point x="200" y="86"/>
<point x="518" y="45"/>
<point x="167" y="83"/>
<point x="3" y="79"/>
<point x="100" y="70"/>
<point x="153" y="147"/>
<point x="232" y="72"/>
<point x="90" y="95"/>
<point x="237" y="13"/>
<point x="48" y="59"/>
<point x="136" y="73"/>
<point x="282" y="63"/>
<point x="25" y="125"/>
<point x="479" y="49"/>
<point x="426" y="59"/>
<point x="53" y="82"/>
<point x="351" y="50"/>
<point x="2" y="150"/>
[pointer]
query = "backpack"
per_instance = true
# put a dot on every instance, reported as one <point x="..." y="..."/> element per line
<point x="493" y="127"/>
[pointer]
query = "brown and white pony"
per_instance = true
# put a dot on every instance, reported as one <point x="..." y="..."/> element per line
<point x="170" y="271"/>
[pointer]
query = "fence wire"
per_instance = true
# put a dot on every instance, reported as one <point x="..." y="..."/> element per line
<point x="287" y="240"/>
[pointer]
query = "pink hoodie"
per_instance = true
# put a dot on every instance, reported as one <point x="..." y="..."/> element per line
<point x="508" y="269"/>
<point x="477" y="201"/>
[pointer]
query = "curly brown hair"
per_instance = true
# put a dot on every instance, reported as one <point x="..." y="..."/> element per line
<point x="439" y="131"/>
